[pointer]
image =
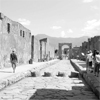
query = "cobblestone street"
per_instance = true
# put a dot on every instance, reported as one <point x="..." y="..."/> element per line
<point x="50" y="87"/>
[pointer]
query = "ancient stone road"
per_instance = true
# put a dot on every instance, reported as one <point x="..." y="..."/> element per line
<point x="50" y="87"/>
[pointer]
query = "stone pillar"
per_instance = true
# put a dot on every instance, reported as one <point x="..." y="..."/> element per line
<point x="60" y="52"/>
<point x="70" y="51"/>
<point x="40" y="51"/>
<point x="45" y="49"/>
<point x="32" y="49"/>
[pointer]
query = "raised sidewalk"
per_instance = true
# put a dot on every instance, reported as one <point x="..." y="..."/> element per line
<point x="7" y="77"/>
<point x="90" y="78"/>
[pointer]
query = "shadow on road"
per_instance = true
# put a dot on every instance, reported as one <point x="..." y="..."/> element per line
<point x="59" y="94"/>
<point x="78" y="91"/>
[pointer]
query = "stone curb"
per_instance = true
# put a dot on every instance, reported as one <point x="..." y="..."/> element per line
<point x="19" y="76"/>
<point x="94" y="84"/>
<point x="78" y="68"/>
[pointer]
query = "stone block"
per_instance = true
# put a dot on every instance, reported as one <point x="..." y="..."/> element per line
<point x="74" y="75"/>
<point x="33" y="74"/>
<point x="60" y="74"/>
<point x="47" y="74"/>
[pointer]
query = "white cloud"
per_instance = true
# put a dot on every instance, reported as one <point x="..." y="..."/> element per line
<point x="24" y="21"/>
<point x="56" y="27"/>
<point x="87" y="1"/>
<point x="62" y="34"/>
<point x="67" y="34"/>
<point x="70" y="31"/>
<point x="95" y="7"/>
<point x="92" y="28"/>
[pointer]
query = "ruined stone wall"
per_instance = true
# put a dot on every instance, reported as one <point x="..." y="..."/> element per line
<point x="93" y="43"/>
<point x="51" y="51"/>
<point x="13" y="38"/>
<point x="36" y="49"/>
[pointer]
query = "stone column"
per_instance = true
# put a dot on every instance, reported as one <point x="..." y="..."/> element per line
<point x="60" y="52"/>
<point x="40" y="51"/>
<point x="70" y="51"/>
<point x="32" y="49"/>
<point x="45" y="49"/>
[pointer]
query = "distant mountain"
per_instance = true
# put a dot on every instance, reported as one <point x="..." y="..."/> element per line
<point x="54" y="40"/>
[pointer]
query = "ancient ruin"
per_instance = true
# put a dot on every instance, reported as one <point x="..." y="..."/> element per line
<point x="60" y="49"/>
<point x="15" y="36"/>
<point x="43" y="54"/>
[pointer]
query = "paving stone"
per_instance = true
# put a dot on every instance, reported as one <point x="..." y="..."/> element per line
<point x="50" y="88"/>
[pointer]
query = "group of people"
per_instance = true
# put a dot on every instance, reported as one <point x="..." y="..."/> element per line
<point x="93" y="62"/>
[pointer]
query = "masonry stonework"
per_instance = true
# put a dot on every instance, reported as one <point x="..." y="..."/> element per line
<point x="91" y="44"/>
<point x="36" y="49"/>
<point x="15" y="36"/>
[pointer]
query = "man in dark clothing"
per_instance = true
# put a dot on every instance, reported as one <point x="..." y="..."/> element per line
<point x="13" y="59"/>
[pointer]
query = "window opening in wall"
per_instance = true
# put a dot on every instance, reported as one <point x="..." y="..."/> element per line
<point x="23" y="34"/>
<point x="20" y="32"/>
<point x="29" y="35"/>
<point x="8" y="27"/>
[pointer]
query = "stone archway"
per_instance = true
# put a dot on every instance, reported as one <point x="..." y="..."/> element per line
<point x="41" y="41"/>
<point x="60" y="50"/>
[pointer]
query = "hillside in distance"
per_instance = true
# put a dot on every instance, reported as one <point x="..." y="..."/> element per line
<point x="53" y="41"/>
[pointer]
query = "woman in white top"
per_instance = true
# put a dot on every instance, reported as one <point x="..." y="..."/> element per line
<point x="89" y="59"/>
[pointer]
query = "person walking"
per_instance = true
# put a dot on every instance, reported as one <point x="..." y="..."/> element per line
<point x="14" y="60"/>
<point x="90" y="60"/>
<point x="94" y="61"/>
<point x="97" y="63"/>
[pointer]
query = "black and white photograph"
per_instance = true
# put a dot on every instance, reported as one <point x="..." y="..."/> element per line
<point x="49" y="49"/>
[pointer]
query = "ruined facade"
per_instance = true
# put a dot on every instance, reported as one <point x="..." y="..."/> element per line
<point x="51" y="52"/>
<point x="91" y="44"/>
<point x="94" y="43"/>
<point x="75" y="52"/>
<point x="36" y="49"/>
<point x="15" y="36"/>
<point x="60" y="50"/>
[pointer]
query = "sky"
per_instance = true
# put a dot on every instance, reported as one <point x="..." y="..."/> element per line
<point x="56" y="18"/>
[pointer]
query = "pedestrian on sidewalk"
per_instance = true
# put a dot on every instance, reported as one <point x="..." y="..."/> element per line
<point x="14" y="60"/>
<point x="97" y="63"/>
<point x="94" y="60"/>
<point x="89" y="60"/>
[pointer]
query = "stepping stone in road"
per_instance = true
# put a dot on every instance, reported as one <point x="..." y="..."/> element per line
<point x="60" y="74"/>
<point x="33" y="74"/>
<point x="46" y="74"/>
<point x="74" y="74"/>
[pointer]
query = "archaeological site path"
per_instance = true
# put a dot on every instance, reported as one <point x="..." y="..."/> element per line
<point x="49" y="85"/>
